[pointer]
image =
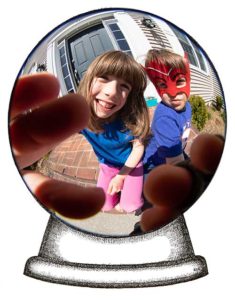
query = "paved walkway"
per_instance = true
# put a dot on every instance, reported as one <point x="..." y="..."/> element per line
<point x="74" y="161"/>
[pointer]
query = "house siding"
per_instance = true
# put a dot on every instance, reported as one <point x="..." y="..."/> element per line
<point x="155" y="36"/>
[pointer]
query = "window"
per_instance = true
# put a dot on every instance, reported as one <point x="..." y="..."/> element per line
<point x="195" y="55"/>
<point x="65" y="69"/>
<point x="119" y="38"/>
<point x="200" y="57"/>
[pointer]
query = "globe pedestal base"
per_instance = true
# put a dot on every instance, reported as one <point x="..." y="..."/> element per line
<point x="148" y="275"/>
<point x="68" y="256"/>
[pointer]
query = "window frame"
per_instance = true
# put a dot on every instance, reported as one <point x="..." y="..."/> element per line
<point x="178" y="33"/>
<point x="114" y="40"/>
<point x="60" y="46"/>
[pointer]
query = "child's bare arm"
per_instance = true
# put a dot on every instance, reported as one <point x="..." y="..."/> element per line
<point x="134" y="158"/>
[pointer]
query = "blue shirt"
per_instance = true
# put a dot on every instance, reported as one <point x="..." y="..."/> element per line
<point x="112" y="146"/>
<point x="170" y="129"/>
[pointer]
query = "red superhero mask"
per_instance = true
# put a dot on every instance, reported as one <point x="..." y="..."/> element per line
<point x="168" y="80"/>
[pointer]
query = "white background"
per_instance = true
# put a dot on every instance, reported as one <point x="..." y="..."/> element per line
<point x="210" y="220"/>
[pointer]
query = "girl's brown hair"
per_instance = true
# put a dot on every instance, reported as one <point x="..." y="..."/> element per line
<point x="134" y="114"/>
<point x="165" y="57"/>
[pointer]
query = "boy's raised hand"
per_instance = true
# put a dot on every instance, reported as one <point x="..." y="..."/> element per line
<point x="173" y="189"/>
<point x="38" y="122"/>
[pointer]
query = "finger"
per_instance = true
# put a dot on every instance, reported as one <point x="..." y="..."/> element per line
<point x="168" y="185"/>
<point x="36" y="133"/>
<point x="112" y="191"/>
<point x="32" y="90"/>
<point x="69" y="200"/>
<point x="156" y="217"/>
<point x="109" y="188"/>
<point x="206" y="152"/>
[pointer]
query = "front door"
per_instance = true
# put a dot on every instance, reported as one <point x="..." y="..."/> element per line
<point x="86" y="46"/>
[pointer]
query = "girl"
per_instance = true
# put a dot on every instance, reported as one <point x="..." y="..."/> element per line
<point x="113" y="86"/>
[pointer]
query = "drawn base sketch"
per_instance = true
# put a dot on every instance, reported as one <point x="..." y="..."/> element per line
<point x="72" y="257"/>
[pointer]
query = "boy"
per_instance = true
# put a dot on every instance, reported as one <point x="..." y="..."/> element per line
<point x="170" y="74"/>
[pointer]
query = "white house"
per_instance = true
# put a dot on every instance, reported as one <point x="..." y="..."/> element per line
<point x="68" y="50"/>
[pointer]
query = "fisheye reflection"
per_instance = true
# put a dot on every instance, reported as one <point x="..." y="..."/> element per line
<point x="125" y="110"/>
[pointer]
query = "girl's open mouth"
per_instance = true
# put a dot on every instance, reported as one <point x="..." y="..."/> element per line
<point x="105" y="105"/>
